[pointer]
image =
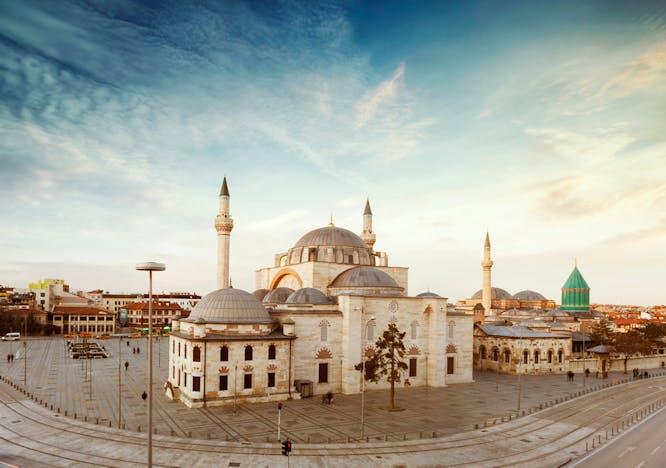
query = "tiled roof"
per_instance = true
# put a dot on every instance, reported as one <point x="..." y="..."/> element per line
<point x="515" y="331"/>
<point x="79" y="310"/>
<point x="157" y="305"/>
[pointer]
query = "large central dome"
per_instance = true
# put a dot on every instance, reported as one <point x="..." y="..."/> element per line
<point x="230" y="305"/>
<point x="330" y="236"/>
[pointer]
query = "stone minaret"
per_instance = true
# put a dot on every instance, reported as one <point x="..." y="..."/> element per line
<point x="368" y="236"/>
<point x="487" y="264"/>
<point x="223" y="225"/>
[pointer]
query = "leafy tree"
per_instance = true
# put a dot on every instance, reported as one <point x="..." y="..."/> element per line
<point x="653" y="331"/>
<point x="630" y="343"/>
<point x="602" y="333"/>
<point x="387" y="360"/>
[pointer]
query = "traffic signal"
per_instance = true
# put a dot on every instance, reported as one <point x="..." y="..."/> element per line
<point x="286" y="447"/>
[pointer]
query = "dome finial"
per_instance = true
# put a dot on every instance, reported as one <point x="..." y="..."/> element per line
<point x="330" y="220"/>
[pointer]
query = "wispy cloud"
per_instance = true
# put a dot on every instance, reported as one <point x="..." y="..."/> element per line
<point x="382" y="95"/>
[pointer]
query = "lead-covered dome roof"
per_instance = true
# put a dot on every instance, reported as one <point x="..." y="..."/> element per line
<point x="277" y="295"/>
<point x="496" y="293"/>
<point x="528" y="295"/>
<point x="229" y="305"/>
<point x="364" y="277"/>
<point x="428" y="294"/>
<point x="330" y="236"/>
<point x="308" y="296"/>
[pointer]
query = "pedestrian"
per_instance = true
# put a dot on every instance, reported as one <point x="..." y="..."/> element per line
<point x="126" y="365"/>
<point x="128" y="343"/>
<point x="8" y="358"/>
<point x="138" y="350"/>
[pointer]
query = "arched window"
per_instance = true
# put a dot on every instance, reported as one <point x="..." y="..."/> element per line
<point x="179" y="349"/>
<point x="550" y="356"/>
<point x="196" y="354"/>
<point x="323" y="329"/>
<point x="271" y="352"/>
<point x="248" y="353"/>
<point x="507" y="356"/>
<point x="173" y="347"/>
<point x="224" y="353"/>
<point x="536" y="356"/>
<point x="526" y="357"/>
<point x="560" y="356"/>
<point x="482" y="352"/>
<point x="185" y="352"/>
<point x="414" y="330"/>
<point x="495" y="354"/>
<point x="370" y="331"/>
<point x="452" y="329"/>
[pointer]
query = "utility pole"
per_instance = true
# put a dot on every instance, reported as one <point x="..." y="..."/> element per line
<point x="279" y="415"/>
<point x="25" y="364"/>
<point x="120" y="338"/>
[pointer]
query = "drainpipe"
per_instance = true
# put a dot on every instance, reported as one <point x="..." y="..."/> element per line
<point x="204" y="373"/>
<point x="289" y="386"/>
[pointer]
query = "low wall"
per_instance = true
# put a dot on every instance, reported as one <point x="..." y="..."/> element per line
<point x="617" y="364"/>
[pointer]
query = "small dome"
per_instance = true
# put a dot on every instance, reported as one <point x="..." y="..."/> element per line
<point x="260" y="294"/>
<point x="528" y="295"/>
<point x="497" y="293"/>
<point x="364" y="277"/>
<point x="428" y="294"/>
<point x="331" y="236"/>
<point x="277" y="295"/>
<point x="229" y="305"/>
<point x="308" y="296"/>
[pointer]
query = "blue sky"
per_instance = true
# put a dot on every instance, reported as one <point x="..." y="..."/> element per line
<point x="544" y="123"/>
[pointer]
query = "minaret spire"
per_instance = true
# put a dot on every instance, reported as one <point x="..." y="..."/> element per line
<point x="487" y="264"/>
<point x="367" y="235"/>
<point x="223" y="225"/>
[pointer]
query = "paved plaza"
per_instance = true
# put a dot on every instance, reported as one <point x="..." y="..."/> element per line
<point x="64" y="383"/>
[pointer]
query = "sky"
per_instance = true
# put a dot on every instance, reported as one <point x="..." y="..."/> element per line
<point x="541" y="122"/>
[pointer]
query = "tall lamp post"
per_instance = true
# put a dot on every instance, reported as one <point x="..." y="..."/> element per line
<point x="150" y="267"/>
<point x="364" y="327"/>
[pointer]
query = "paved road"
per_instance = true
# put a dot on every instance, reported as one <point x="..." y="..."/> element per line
<point x="644" y="446"/>
<point x="544" y="439"/>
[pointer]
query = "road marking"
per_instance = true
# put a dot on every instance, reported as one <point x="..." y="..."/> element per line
<point x="655" y="450"/>
<point x="631" y="448"/>
<point x="8" y="464"/>
<point x="640" y="464"/>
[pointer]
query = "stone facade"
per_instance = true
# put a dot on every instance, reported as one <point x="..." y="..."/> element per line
<point x="325" y="303"/>
<point x="519" y="350"/>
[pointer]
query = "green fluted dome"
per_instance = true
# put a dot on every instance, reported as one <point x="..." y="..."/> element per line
<point x="575" y="280"/>
<point x="575" y="293"/>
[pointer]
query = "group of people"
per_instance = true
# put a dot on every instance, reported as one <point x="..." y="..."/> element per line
<point x="640" y="375"/>
<point x="10" y="357"/>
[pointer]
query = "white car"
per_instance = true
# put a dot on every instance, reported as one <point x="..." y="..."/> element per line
<point x="11" y="337"/>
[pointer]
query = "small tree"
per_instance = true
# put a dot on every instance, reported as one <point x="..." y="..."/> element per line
<point x="602" y="333"/>
<point x="653" y="331"/>
<point x="631" y="342"/>
<point x="387" y="360"/>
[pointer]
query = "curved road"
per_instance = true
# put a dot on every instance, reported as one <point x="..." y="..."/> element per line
<point x="548" y="438"/>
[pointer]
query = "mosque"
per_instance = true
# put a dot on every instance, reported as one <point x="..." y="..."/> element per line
<point x="316" y="313"/>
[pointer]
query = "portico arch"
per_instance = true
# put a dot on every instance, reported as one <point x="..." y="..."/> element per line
<point x="288" y="278"/>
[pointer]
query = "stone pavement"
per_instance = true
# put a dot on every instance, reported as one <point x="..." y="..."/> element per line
<point x="64" y="383"/>
<point x="550" y="437"/>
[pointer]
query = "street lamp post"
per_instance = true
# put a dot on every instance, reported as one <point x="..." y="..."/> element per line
<point x="120" y="338"/>
<point x="363" y="327"/>
<point x="150" y="267"/>
<point x="25" y="364"/>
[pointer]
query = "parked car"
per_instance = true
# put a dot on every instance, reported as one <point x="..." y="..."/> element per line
<point x="11" y="337"/>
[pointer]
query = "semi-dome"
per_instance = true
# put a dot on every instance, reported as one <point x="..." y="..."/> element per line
<point x="308" y="296"/>
<point x="428" y="294"/>
<point x="528" y="295"/>
<point x="364" y="277"/>
<point x="496" y="293"/>
<point x="229" y="305"/>
<point x="330" y="236"/>
<point x="260" y="293"/>
<point x="277" y="295"/>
